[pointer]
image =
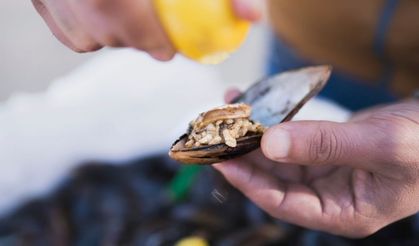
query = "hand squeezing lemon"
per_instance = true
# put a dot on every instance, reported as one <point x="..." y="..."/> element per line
<point x="203" y="30"/>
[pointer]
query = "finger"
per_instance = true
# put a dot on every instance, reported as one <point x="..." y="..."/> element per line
<point x="260" y="187"/>
<point x="250" y="10"/>
<point x="128" y="23"/>
<point x="284" y="171"/>
<point x="64" y="26"/>
<point x="231" y="94"/>
<point x="43" y="11"/>
<point x="293" y="203"/>
<point x="321" y="143"/>
<point x="90" y="15"/>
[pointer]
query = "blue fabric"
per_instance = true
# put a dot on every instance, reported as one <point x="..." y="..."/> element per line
<point x="384" y="22"/>
<point x="346" y="89"/>
<point x="380" y="38"/>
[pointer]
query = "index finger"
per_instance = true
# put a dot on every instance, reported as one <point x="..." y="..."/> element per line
<point x="292" y="202"/>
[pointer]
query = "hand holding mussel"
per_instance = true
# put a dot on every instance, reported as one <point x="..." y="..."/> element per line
<point x="236" y="129"/>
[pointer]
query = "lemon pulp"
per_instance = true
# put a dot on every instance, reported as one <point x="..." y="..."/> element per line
<point x="203" y="30"/>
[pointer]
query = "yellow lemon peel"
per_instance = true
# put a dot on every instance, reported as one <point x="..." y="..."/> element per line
<point x="203" y="30"/>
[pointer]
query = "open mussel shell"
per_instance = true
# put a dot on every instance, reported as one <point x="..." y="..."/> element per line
<point x="274" y="100"/>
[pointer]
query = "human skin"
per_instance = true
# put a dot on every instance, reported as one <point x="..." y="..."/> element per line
<point x="348" y="179"/>
<point x="89" y="25"/>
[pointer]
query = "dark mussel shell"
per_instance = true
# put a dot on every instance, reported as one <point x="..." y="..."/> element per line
<point x="213" y="153"/>
<point x="274" y="100"/>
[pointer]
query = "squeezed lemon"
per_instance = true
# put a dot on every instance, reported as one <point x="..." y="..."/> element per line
<point x="203" y="30"/>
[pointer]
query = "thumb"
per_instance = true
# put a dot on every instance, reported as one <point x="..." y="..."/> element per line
<point x="318" y="143"/>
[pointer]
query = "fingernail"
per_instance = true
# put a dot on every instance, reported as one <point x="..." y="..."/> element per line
<point x="276" y="143"/>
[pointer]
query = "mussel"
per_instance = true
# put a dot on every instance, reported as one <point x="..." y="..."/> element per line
<point x="236" y="129"/>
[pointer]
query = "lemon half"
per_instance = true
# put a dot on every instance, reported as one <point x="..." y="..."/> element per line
<point x="203" y="30"/>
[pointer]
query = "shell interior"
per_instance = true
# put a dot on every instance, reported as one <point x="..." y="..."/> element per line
<point x="279" y="98"/>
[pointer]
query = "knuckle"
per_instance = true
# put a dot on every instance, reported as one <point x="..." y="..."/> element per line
<point x="83" y="42"/>
<point x="78" y="49"/>
<point x="88" y="47"/>
<point x="110" y="40"/>
<point x="324" y="147"/>
<point x="79" y="41"/>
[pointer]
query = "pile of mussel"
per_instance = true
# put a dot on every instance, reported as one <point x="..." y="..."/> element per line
<point x="104" y="204"/>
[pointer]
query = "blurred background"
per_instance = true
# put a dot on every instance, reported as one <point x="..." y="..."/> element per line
<point x="31" y="57"/>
